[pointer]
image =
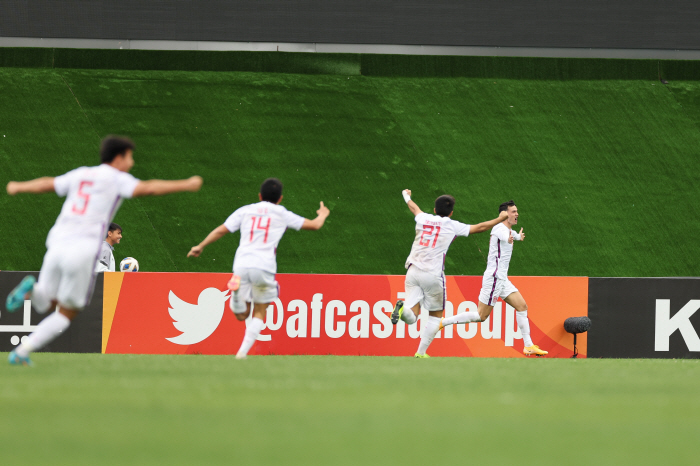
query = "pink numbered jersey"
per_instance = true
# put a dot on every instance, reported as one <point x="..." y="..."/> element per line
<point x="262" y="226"/>
<point x="93" y="195"/>
<point x="434" y="234"/>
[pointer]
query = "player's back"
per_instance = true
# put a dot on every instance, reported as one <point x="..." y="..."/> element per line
<point x="93" y="195"/>
<point x="262" y="226"/>
<point x="434" y="234"/>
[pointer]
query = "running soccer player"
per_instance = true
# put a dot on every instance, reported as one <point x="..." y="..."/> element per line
<point x="255" y="263"/>
<point x="425" y="279"/>
<point x="67" y="276"/>
<point x="105" y="261"/>
<point x="495" y="283"/>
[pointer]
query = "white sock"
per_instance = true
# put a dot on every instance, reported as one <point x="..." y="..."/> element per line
<point x="524" y="326"/>
<point x="408" y="316"/>
<point x="45" y="332"/>
<point x="462" y="318"/>
<point x="251" y="334"/>
<point x="430" y="329"/>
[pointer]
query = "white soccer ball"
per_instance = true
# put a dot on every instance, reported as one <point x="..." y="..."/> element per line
<point x="129" y="265"/>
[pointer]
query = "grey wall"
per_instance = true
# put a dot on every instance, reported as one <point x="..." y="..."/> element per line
<point x="644" y="24"/>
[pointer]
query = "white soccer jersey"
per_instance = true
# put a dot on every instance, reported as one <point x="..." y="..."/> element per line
<point x="93" y="195"/>
<point x="262" y="226"/>
<point x="434" y="234"/>
<point x="500" y="252"/>
<point x="105" y="261"/>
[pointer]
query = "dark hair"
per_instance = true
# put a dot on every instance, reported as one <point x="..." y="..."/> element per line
<point x="112" y="146"/>
<point x="271" y="190"/>
<point x="444" y="205"/>
<point x="504" y="207"/>
<point x="113" y="227"/>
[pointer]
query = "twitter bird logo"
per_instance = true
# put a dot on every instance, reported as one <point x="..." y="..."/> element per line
<point x="197" y="321"/>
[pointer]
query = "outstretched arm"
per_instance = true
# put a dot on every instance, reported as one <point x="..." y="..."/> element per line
<point x="215" y="235"/>
<point x="412" y="206"/>
<point x="318" y="222"/>
<point x="39" y="185"/>
<point x="160" y="187"/>
<point x="483" y="226"/>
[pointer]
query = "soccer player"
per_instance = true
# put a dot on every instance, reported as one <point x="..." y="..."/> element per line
<point x="255" y="263"/>
<point x="425" y="279"/>
<point x="105" y="261"/>
<point x="495" y="283"/>
<point x="67" y="276"/>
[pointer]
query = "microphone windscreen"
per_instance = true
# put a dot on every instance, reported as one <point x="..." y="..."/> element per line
<point x="577" y="324"/>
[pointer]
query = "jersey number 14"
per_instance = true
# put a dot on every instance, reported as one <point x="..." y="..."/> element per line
<point x="260" y="226"/>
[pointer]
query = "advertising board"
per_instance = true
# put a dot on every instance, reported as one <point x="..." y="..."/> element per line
<point x="644" y="317"/>
<point x="188" y="313"/>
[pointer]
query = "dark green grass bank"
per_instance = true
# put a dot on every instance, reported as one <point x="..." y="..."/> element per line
<point x="98" y="409"/>
<point x="604" y="171"/>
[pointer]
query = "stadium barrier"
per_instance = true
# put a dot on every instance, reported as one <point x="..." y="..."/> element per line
<point x="83" y="336"/>
<point x="188" y="313"/>
<point x="644" y="317"/>
<point x="353" y="64"/>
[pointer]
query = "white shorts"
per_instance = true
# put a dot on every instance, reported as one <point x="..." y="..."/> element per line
<point x="493" y="288"/>
<point x="425" y="288"/>
<point x="257" y="286"/>
<point x="67" y="276"/>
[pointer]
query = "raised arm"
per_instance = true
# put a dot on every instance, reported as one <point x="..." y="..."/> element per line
<point x="520" y="236"/>
<point x="483" y="226"/>
<point x="215" y="235"/>
<point x="412" y="206"/>
<point x="318" y="222"/>
<point x="38" y="185"/>
<point x="160" y="187"/>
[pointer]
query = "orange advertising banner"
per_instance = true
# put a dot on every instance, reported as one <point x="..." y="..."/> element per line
<point x="188" y="313"/>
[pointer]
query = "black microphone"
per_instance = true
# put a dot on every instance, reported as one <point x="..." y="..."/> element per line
<point x="577" y="324"/>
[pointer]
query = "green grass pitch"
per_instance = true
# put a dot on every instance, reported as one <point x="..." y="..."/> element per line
<point x="603" y="170"/>
<point x="298" y="410"/>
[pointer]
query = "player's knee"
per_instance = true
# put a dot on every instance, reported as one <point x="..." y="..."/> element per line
<point x="242" y="316"/>
<point x="522" y="307"/>
<point x="69" y="313"/>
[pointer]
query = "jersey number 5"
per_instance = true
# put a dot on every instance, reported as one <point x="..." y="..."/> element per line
<point x="80" y="210"/>
<point x="428" y="230"/>
<point x="260" y="226"/>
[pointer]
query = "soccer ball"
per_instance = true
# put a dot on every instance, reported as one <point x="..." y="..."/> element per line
<point x="129" y="265"/>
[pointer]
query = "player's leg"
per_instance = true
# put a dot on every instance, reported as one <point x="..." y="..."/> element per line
<point x="241" y="298"/>
<point x="41" y="292"/>
<point x="265" y="290"/>
<point x="484" y="311"/>
<point x="47" y="330"/>
<point x="409" y="309"/>
<point x="487" y="298"/>
<point x="19" y="293"/>
<point x="434" y="301"/>
<point x="75" y="285"/>
<point x="515" y="299"/>
<point x="244" y="312"/>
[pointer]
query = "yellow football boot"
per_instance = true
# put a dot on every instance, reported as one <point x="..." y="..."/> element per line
<point x="534" y="350"/>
